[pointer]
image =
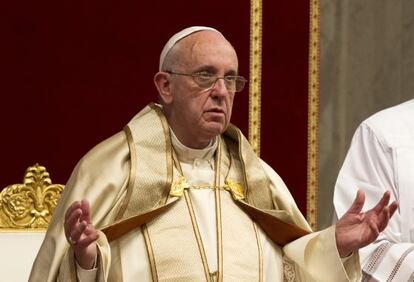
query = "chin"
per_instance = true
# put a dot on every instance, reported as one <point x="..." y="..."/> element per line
<point x="215" y="131"/>
<point x="212" y="128"/>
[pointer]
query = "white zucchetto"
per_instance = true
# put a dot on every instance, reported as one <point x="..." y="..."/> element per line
<point x="178" y="36"/>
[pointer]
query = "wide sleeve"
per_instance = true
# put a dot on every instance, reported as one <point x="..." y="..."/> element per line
<point x="101" y="178"/>
<point x="313" y="257"/>
<point x="375" y="167"/>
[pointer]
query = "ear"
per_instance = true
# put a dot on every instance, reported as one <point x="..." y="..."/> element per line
<point x="162" y="82"/>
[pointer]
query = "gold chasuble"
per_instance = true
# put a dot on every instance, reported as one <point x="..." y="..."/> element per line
<point x="164" y="218"/>
<point x="157" y="186"/>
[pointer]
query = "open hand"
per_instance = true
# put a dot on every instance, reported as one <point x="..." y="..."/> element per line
<point x="80" y="233"/>
<point x="356" y="229"/>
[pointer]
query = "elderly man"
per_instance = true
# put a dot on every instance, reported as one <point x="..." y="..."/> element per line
<point x="179" y="195"/>
<point x="381" y="158"/>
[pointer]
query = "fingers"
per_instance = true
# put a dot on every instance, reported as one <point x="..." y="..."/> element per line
<point x="393" y="208"/>
<point x="74" y="206"/>
<point x="386" y="213"/>
<point x="78" y="224"/>
<point x="383" y="202"/>
<point x="85" y="211"/>
<point x="76" y="233"/>
<point x="72" y="216"/>
<point x="358" y="203"/>
<point x="90" y="235"/>
<point x="379" y="218"/>
<point x="383" y="219"/>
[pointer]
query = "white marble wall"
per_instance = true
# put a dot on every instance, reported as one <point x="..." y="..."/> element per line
<point x="367" y="64"/>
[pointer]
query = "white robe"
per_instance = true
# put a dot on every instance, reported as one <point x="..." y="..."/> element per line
<point x="381" y="158"/>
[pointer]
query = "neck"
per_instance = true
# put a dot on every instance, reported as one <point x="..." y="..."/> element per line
<point x="184" y="135"/>
<point x="193" y="142"/>
<point x="188" y="155"/>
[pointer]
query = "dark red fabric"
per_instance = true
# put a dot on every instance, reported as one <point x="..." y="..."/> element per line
<point x="285" y="93"/>
<point x="74" y="72"/>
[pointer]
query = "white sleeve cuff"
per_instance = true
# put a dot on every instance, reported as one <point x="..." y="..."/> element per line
<point x="345" y="259"/>
<point x="86" y="275"/>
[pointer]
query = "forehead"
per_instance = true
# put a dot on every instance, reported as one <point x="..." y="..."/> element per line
<point x="208" y="49"/>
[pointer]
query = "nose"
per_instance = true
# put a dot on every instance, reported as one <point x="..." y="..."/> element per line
<point x="219" y="88"/>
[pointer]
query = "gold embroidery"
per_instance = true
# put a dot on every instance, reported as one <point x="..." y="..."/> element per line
<point x="178" y="186"/>
<point x="235" y="188"/>
<point x="218" y="215"/>
<point x="219" y="233"/>
<point x="150" y="252"/>
<point x="288" y="271"/>
<point x="213" y="277"/>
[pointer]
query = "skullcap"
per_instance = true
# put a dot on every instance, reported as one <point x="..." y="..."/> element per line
<point x="178" y="36"/>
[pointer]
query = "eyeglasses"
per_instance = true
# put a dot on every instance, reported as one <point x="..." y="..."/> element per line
<point x="234" y="83"/>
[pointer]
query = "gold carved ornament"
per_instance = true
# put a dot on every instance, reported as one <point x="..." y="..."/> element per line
<point x="29" y="205"/>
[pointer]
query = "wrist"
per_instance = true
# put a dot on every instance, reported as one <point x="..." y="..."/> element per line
<point x="86" y="264"/>
<point x="344" y="249"/>
<point x="344" y="254"/>
<point x="86" y="259"/>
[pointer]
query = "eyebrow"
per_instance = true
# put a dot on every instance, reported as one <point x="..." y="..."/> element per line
<point x="212" y="69"/>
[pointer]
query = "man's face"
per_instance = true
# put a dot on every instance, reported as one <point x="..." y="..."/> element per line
<point x="203" y="113"/>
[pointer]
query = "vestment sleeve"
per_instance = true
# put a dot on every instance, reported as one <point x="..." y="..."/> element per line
<point x="101" y="178"/>
<point x="313" y="257"/>
<point x="85" y="275"/>
<point x="372" y="165"/>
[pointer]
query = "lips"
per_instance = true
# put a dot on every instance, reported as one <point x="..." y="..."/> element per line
<point x="215" y="110"/>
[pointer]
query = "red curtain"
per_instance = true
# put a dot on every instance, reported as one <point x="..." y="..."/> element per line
<point x="74" y="72"/>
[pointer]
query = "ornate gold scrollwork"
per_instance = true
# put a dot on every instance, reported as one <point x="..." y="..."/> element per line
<point x="31" y="204"/>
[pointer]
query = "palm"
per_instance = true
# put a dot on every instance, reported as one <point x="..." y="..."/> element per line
<point x="357" y="229"/>
<point x="81" y="234"/>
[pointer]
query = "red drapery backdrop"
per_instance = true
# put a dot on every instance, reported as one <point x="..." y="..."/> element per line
<point x="74" y="72"/>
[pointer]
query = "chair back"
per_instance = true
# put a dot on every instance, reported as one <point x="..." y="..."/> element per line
<point x="25" y="212"/>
